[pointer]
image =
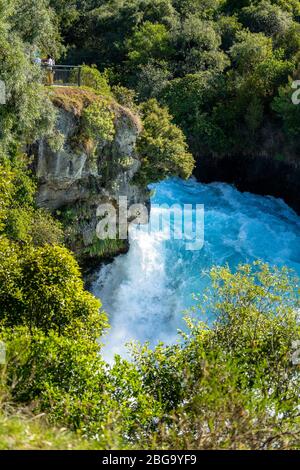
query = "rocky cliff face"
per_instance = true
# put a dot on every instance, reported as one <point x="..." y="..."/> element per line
<point x="271" y="167"/>
<point x="74" y="180"/>
<point x="257" y="174"/>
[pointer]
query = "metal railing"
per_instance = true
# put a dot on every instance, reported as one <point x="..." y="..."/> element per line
<point x="62" y="75"/>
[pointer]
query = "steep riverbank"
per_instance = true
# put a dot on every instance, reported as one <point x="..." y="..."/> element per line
<point x="259" y="175"/>
<point x="76" y="178"/>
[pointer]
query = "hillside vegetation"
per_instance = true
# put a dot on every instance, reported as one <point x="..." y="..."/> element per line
<point x="223" y="67"/>
<point x="206" y="72"/>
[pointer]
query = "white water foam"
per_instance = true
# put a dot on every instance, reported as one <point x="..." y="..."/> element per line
<point x="145" y="291"/>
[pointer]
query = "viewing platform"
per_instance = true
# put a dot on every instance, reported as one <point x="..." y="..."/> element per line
<point x="62" y="75"/>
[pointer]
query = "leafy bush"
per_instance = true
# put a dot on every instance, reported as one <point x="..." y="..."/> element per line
<point x="162" y="146"/>
<point x="66" y="378"/>
<point x="6" y="189"/>
<point x="125" y="96"/>
<point x="150" y="41"/>
<point x="266" y="18"/>
<point x="21" y="222"/>
<point x="152" y="79"/>
<point x="28" y="113"/>
<point x="250" y="50"/>
<point x="98" y="121"/>
<point x="92" y="78"/>
<point x="232" y="385"/>
<point x="35" y="22"/>
<point x="41" y="287"/>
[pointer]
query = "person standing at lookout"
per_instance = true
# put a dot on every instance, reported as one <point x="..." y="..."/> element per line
<point x="50" y="73"/>
<point x="36" y="58"/>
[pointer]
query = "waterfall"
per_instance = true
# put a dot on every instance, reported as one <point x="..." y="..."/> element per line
<point x="146" y="291"/>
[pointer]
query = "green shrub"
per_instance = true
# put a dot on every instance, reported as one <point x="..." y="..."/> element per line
<point x="92" y="78"/>
<point x="44" y="229"/>
<point x="66" y="378"/>
<point x="125" y="97"/>
<point x="149" y="41"/>
<point x="233" y="385"/>
<point x="267" y="18"/>
<point x="6" y="189"/>
<point x="98" y="121"/>
<point x="42" y="287"/>
<point x="161" y="146"/>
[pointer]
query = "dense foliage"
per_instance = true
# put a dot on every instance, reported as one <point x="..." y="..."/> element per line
<point x="219" y="69"/>
<point x="233" y="385"/>
<point x="220" y="65"/>
<point x="27" y="113"/>
<point x="162" y="146"/>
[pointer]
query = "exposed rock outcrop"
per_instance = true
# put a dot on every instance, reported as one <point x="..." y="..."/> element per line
<point x="74" y="180"/>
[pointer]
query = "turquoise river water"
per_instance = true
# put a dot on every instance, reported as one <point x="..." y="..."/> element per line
<point x="146" y="291"/>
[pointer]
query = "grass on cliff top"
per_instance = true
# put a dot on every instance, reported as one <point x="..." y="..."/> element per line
<point x="76" y="99"/>
<point x="73" y="99"/>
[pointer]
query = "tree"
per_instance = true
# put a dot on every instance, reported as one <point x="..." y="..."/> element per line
<point x="151" y="80"/>
<point x="6" y="189"/>
<point x="28" y="112"/>
<point x="250" y="50"/>
<point x="197" y="43"/>
<point x="36" y="24"/>
<point x="161" y="146"/>
<point x="66" y="378"/>
<point x="41" y="287"/>
<point x="192" y="101"/>
<point x="289" y="41"/>
<point x="204" y="8"/>
<point x="149" y="41"/>
<point x="266" y="18"/>
<point x="229" y="26"/>
<point x="92" y="78"/>
<point x="19" y="219"/>
<point x="67" y="11"/>
<point x="288" y="111"/>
